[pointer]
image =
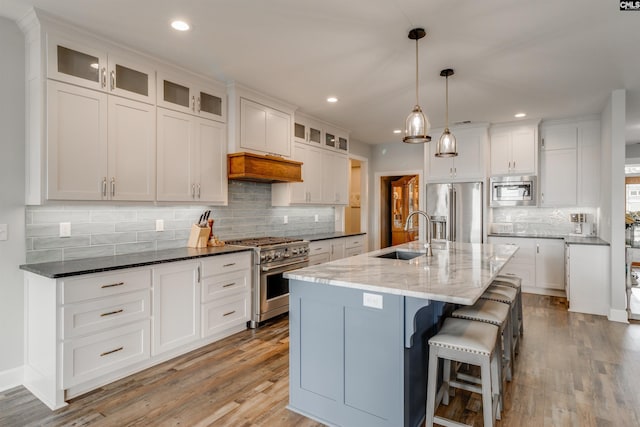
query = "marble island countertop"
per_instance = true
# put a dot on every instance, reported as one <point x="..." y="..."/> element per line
<point x="457" y="272"/>
<point x="568" y="238"/>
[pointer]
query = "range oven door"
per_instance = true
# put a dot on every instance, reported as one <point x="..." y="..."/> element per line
<point x="274" y="289"/>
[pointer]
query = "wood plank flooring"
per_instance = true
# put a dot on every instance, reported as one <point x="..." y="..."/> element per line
<point x="573" y="370"/>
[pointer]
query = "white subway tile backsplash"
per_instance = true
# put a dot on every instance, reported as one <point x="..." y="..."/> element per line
<point x="109" y="229"/>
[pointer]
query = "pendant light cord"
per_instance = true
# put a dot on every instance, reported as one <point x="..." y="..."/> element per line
<point x="446" y="120"/>
<point x="417" y="72"/>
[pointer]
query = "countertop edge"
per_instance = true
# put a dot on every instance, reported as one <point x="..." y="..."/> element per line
<point x="570" y="240"/>
<point x="51" y="270"/>
<point x="328" y="236"/>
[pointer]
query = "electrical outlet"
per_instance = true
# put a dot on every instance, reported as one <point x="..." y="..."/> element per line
<point x="372" y="300"/>
<point x="315" y="217"/>
<point x="159" y="224"/>
<point x="65" y="229"/>
<point x="3" y="232"/>
<point x="286" y="219"/>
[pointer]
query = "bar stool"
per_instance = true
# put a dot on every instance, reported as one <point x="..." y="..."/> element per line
<point x="498" y="314"/>
<point x="507" y="295"/>
<point x="516" y="283"/>
<point x="464" y="341"/>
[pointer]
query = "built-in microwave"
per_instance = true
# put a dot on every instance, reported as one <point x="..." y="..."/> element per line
<point x="513" y="191"/>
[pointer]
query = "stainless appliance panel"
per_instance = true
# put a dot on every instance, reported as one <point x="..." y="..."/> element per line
<point x="513" y="191"/>
<point x="455" y="211"/>
<point x="274" y="289"/>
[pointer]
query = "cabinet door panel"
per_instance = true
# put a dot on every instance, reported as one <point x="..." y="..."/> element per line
<point x="550" y="263"/>
<point x="500" y="153"/>
<point x="469" y="161"/>
<point x="278" y="137"/>
<point x="132" y="150"/>
<point x="523" y="151"/>
<point x="211" y="104"/>
<point x="314" y="175"/>
<point x="299" y="190"/>
<point x="439" y="167"/>
<point x="253" y="122"/>
<point x="76" y="63"/>
<point x="176" y="306"/>
<point x="560" y="137"/>
<point x="212" y="161"/>
<point x="77" y="142"/>
<point x="341" y="179"/>
<point x="589" y="164"/>
<point x="131" y="79"/>
<point x="175" y="145"/>
<point x="559" y="185"/>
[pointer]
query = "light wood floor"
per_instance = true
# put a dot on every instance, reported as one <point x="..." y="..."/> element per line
<point x="573" y="370"/>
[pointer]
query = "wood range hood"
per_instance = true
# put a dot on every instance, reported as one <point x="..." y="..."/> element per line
<point x="258" y="168"/>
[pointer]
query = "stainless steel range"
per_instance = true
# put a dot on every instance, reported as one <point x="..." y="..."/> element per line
<point x="273" y="256"/>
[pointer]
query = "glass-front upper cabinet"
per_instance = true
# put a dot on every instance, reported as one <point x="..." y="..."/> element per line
<point x="329" y="140"/>
<point x="95" y="68"/>
<point x="343" y="143"/>
<point x="176" y="93"/>
<point x="305" y="131"/>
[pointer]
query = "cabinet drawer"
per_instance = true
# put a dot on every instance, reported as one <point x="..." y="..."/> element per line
<point x="103" y="285"/>
<point x="104" y="313"/>
<point x="90" y="357"/>
<point x="319" y="258"/>
<point x="225" y="313"/>
<point x="526" y="272"/>
<point x="353" y="251"/>
<point x="526" y="253"/>
<point x="354" y="242"/>
<point x="322" y="246"/>
<point x="219" y="286"/>
<point x="225" y="263"/>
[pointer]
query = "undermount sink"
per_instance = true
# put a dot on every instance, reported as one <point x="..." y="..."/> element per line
<point x="403" y="255"/>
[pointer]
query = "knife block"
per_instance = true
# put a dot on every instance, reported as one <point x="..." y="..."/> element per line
<point x="199" y="237"/>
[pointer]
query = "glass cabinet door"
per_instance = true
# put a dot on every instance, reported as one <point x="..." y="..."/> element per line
<point x="130" y="79"/>
<point x="343" y="144"/>
<point x="329" y="140"/>
<point x="210" y="105"/>
<point x="315" y="135"/>
<point x="300" y="132"/>
<point x="80" y="65"/>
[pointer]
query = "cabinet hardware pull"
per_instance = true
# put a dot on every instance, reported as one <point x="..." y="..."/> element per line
<point x="450" y="171"/>
<point x="514" y="165"/>
<point x="113" y="80"/>
<point x="199" y="108"/>
<point x="229" y="265"/>
<point x="193" y="190"/>
<point x="112" y="312"/>
<point x="537" y="248"/>
<point x="104" y="187"/>
<point x="455" y="172"/>
<point x="111" y="351"/>
<point x="193" y="103"/>
<point x="104" y="77"/>
<point x="112" y="285"/>
<point x="113" y="186"/>
<point x="229" y="313"/>
<point x="198" y="191"/>
<point x="509" y="167"/>
<point x="198" y="274"/>
<point x="317" y="249"/>
<point x="229" y="284"/>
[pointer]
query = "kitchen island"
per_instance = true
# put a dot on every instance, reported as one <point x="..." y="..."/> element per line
<point x="359" y="328"/>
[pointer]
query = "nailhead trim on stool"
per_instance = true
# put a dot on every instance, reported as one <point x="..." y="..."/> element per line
<point x="464" y="341"/>
<point x="515" y="282"/>
<point x="507" y="295"/>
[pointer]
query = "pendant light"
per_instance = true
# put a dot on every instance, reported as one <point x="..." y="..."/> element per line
<point x="417" y="125"/>
<point x="447" y="146"/>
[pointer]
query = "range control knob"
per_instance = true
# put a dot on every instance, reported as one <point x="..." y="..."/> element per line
<point x="263" y="256"/>
<point x="294" y="251"/>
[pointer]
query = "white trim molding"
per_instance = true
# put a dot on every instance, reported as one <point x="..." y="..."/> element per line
<point x="616" y="315"/>
<point x="11" y="378"/>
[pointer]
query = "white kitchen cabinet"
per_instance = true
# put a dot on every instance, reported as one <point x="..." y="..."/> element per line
<point x="337" y="248"/>
<point x="186" y="94"/>
<point x="539" y="262"/>
<point x="176" y="305"/>
<point x="336" y="139"/>
<point x="191" y="158"/>
<point x="100" y="147"/>
<point x="319" y="252"/>
<point x="98" y="67"/>
<point x="514" y="149"/>
<point x="335" y="178"/>
<point x="355" y="245"/>
<point x="570" y="163"/>
<point x="468" y="164"/>
<point x="264" y="129"/>
<point x="588" y="289"/>
<point x="309" y="191"/>
<point x="308" y="131"/>
<point x="550" y="264"/>
<point x="226" y="293"/>
<point x="77" y="143"/>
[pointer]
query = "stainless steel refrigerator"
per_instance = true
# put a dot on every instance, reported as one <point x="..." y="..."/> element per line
<point x="455" y="211"/>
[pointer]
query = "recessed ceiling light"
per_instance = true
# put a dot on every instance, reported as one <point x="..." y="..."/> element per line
<point x="520" y="115"/>
<point x="180" y="25"/>
<point x="332" y="99"/>
<point x="397" y="131"/>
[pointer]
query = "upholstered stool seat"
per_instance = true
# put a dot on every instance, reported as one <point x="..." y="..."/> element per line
<point x="464" y="341"/>
<point x="507" y="295"/>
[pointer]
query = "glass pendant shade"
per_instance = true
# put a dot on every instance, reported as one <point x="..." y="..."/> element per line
<point x="416" y="127"/>
<point x="447" y="145"/>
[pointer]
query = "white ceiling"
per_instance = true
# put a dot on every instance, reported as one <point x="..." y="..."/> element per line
<point x="548" y="58"/>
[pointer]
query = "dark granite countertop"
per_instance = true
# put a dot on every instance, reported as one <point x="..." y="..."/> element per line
<point x="570" y="240"/>
<point x="327" y="236"/>
<point x="54" y="270"/>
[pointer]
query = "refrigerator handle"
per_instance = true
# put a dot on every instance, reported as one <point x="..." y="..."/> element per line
<point x="452" y="214"/>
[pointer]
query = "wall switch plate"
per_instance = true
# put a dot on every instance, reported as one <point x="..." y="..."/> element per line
<point x="3" y="232"/>
<point x="65" y="229"/>
<point x="286" y="219"/>
<point x="159" y="224"/>
<point x="315" y="217"/>
<point x="372" y="300"/>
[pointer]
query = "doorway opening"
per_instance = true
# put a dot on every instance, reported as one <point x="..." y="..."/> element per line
<point x="399" y="196"/>
<point x="632" y="209"/>
<point x="356" y="212"/>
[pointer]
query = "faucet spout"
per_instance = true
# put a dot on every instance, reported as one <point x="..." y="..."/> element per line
<point x="424" y="214"/>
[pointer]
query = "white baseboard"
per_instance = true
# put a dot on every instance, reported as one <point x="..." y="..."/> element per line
<point x="616" y="315"/>
<point x="11" y="378"/>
